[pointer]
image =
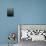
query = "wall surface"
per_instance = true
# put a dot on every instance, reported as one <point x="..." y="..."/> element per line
<point x="25" y="12"/>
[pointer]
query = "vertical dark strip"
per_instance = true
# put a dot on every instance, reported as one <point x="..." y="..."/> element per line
<point x="10" y="12"/>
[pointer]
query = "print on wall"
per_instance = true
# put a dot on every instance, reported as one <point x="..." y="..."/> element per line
<point x="32" y="32"/>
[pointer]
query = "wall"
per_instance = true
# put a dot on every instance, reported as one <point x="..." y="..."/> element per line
<point x="25" y="12"/>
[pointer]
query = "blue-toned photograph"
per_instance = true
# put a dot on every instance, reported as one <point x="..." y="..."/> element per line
<point x="15" y="16"/>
